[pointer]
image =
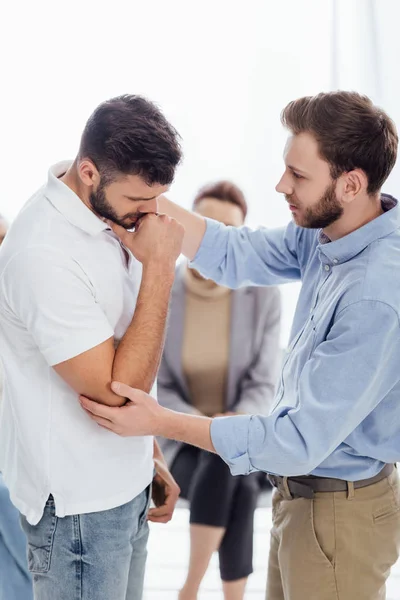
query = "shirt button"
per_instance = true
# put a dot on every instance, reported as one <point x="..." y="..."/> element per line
<point x="327" y="267"/>
<point x="335" y="260"/>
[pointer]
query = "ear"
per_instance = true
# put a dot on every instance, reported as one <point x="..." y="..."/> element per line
<point x="354" y="183"/>
<point x="88" y="173"/>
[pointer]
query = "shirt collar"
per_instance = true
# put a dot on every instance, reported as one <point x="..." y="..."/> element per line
<point x="350" y="245"/>
<point x="69" y="204"/>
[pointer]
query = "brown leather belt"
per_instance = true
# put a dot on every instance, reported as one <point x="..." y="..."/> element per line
<point x="306" y="486"/>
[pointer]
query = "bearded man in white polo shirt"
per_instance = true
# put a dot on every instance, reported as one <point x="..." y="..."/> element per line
<point x="84" y="301"/>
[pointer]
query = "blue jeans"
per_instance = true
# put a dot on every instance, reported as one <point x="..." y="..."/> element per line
<point x="15" y="580"/>
<point x="94" y="556"/>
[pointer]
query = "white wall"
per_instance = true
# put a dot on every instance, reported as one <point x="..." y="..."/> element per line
<point x="221" y="70"/>
<point x="367" y="57"/>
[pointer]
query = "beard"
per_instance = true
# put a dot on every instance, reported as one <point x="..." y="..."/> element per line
<point x="103" y="208"/>
<point x="323" y="213"/>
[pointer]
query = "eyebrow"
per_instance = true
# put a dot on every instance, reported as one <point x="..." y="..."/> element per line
<point x="296" y="169"/>
<point x="139" y="198"/>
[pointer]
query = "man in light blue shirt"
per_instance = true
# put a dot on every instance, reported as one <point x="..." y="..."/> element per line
<point x="332" y="438"/>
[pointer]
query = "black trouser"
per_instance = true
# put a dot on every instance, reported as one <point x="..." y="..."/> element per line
<point x="219" y="499"/>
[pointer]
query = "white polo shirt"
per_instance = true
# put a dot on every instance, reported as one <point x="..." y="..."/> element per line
<point x="65" y="287"/>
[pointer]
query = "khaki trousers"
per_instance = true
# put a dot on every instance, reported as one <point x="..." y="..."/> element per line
<point x="338" y="546"/>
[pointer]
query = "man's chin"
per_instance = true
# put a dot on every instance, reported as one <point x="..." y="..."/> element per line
<point x="138" y="222"/>
<point x="296" y="219"/>
<point x="299" y="221"/>
<point x="129" y="225"/>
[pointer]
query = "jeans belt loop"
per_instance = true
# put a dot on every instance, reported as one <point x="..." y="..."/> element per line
<point x="350" y="490"/>
<point x="285" y="487"/>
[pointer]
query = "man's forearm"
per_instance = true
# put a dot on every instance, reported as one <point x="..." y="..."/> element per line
<point x="138" y="355"/>
<point x="189" y="429"/>
<point x="195" y="225"/>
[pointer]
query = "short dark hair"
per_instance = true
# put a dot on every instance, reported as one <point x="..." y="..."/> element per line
<point x="129" y="135"/>
<point x="351" y="132"/>
<point x="225" y="191"/>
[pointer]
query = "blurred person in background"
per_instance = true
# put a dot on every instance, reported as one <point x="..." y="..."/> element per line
<point x="15" y="579"/>
<point x="221" y="358"/>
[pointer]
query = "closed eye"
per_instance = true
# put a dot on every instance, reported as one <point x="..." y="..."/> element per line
<point x="297" y="175"/>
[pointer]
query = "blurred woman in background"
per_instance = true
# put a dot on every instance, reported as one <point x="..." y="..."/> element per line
<point x="221" y="357"/>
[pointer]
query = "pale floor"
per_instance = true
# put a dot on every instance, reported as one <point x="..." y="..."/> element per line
<point x="169" y="551"/>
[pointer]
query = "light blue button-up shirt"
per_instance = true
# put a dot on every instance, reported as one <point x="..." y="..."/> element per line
<point x="337" y="406"/>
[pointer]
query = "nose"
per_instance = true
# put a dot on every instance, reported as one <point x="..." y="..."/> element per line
<point x="284" y="186"/>
<point x="151" y="206"/>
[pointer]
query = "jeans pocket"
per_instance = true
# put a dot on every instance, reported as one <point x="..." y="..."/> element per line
<point x="385" y="513"/>
<point x="321" y="537"/>
<point x="40" y="539"/>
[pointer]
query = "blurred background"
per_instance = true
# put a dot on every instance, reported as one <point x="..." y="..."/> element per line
<point x="221" y="70"/>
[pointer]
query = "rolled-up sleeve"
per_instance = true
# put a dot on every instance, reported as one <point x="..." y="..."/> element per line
<point x="230" y="437"/>
<point x="347" y="377"/>
<point x="237" y="257"/>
